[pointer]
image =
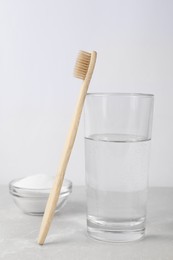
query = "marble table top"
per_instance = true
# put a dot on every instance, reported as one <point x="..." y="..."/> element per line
<point x="67" y="238"/>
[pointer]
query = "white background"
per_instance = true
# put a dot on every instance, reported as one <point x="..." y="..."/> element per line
<point x="39" y="43"/>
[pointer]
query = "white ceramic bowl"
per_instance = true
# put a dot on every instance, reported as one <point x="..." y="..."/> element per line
<point x="33" y="201"/>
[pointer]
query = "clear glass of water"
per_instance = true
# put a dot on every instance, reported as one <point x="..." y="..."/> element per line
<point x="117" y="148"/>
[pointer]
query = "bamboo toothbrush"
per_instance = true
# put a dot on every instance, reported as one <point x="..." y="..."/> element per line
<point x="83" y="70"/>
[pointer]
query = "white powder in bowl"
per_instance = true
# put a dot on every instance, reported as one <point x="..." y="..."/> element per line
<point x="39" y="181"/>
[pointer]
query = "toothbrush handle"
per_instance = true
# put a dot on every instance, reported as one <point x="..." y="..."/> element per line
<point x="54" y="194"/>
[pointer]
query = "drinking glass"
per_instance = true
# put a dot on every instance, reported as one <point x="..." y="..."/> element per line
<point x="117" y="149"/>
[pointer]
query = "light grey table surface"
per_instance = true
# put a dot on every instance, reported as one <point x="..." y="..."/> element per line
<point x="68" y="239"/>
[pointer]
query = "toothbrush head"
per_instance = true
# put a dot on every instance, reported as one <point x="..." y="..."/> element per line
<point x="82" y="64"/>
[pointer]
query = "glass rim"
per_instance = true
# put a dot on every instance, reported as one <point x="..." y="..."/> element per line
<point x="120" y="94"/>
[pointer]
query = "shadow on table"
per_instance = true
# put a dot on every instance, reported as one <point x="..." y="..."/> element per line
<point x="159" y="237"/>
<point x="74" y="208"/>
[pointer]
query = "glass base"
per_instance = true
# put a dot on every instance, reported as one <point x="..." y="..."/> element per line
<point x="111" y="232"/>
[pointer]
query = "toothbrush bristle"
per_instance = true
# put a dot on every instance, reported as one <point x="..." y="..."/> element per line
<point x="82" y="64"/>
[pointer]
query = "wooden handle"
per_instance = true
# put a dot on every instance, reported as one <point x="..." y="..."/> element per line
<point x="54" y="194"/>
